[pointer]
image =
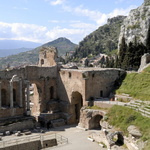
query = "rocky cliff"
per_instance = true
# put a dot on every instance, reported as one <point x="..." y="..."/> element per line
<point x="102" y="40"/>
<point x="136" y="24"/>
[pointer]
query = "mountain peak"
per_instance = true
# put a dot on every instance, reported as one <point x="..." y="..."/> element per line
<point x="115" y="19"/>
<point x="62" y="39"/>
<point x="147" y="2"/>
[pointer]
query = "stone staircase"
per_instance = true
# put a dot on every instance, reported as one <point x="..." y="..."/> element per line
<point x="141" y="106"/>
<point x="54" y="116"/>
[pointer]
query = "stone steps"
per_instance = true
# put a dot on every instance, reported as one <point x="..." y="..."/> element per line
<point x="146" y="109"/>
<point x="144" y="112"/>
<point x="140" y="106"/>
<point x="50" y="116"/>
<point x="58" y="122"/>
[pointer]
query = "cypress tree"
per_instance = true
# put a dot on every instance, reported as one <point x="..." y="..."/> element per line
<point x="148" y="40"/>
<point x="122" y="51"/>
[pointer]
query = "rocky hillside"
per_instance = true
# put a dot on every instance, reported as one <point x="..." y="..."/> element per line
<point x="103" y="40"/>
<point x="31" y="57"/>
<point x="136" y="24"/>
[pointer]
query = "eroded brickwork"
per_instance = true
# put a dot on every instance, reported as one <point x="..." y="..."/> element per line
<point x="69" y="88"/>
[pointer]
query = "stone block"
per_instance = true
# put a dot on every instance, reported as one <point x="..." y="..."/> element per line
<point x="134" y="131"/>
<point x="27" y="133"/>
<point x="18" y="133"/>
<point x="58" y="122"/>
<point x="7" y="132"/>
<point x="1" y="134"/>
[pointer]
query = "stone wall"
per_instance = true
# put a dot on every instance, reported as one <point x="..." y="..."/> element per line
<point x="49" y="143"/>
<point x="100" y="83"/>
<point x="69" y="81"/>
<point x="30" y="73"/>
<point x="145" y="61"/>
<point x="18" y="126"/>
<point x="90" y="118"/>
<point x="11" y="112"/>
<point x="47" y="57"/>
<point x="102" y="105"/>
<point x="34" y="145"/>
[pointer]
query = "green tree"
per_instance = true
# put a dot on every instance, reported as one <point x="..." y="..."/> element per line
<point x="148" y="40"/>
<point x="122" y="51"/>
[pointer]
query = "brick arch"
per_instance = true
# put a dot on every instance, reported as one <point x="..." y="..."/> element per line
<point x="94" y="122"/>
<point x="90" y="118"/>
<point x="77" y="102"/>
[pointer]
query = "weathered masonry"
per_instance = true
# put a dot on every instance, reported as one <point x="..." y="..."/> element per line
<point x="58" y="93"/>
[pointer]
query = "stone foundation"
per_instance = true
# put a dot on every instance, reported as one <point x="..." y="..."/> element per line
<point x="17" y="125"/>
<point x="90" y="119"/>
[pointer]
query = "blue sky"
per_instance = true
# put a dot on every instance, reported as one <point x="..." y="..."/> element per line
<point x="46" y="20"/>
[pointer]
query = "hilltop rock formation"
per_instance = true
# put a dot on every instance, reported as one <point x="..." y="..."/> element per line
<point x="102" y="40"/>
<point x="136" y="24"/>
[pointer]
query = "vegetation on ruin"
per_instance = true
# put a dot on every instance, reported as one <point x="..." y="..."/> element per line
<point x="137" y="85"/>
<point x="122" y="117"/>
<point x="96" y="107"/>
<point x="102" y="40"/>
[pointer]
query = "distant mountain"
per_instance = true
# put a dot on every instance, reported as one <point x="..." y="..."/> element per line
<point x="63" y="45"/>
<point x="16" y="44"/>
<point x="7" y="52"/>
<point x="102" y="40"/>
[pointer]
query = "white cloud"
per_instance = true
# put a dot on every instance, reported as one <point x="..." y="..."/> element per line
<point x="57" y="2"/>
<point x="76" y="31"/>
<point x="34" y="33"/>
<point x="20" y="31"/>
<point x="98" y="17"/>
<point x="74" y="34"/>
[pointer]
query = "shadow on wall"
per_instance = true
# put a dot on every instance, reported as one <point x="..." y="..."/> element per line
<point x="61" y="90"/>
<point x="119" y="80"/>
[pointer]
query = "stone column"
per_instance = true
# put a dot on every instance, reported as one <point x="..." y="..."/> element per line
<point x="20" y="92"/>
<point x="11" y="94"/>
<point x="28" y="95"/>
<point x="0" y="96"/>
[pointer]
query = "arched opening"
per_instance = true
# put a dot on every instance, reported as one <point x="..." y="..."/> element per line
<point x="101" y="93"/>
<point x="14" y="95"/>
<point x="94" y="122"/>
<point x="69" y="74"/>
<point x="36" y="99"/>
<point x="117" y="138"/>
<point x="42" y="61"/>
<point x="77" y="101"/>
<point x="4" y="97"/>
<point x="51" y="92"/>
<point x="120" y="139"/>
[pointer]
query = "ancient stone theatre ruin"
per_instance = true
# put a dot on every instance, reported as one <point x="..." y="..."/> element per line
<point x="58" y="93"/>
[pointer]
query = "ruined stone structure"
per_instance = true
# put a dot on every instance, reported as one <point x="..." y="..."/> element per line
<point x="90" y="119"/>
<point x="58" y="95"/>
<point x="145" y="61"/>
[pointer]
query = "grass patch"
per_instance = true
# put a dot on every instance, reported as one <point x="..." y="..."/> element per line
<point x="121" y="117"/>
<point x="137" y="85"/>
<point x="96" y="107"/>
